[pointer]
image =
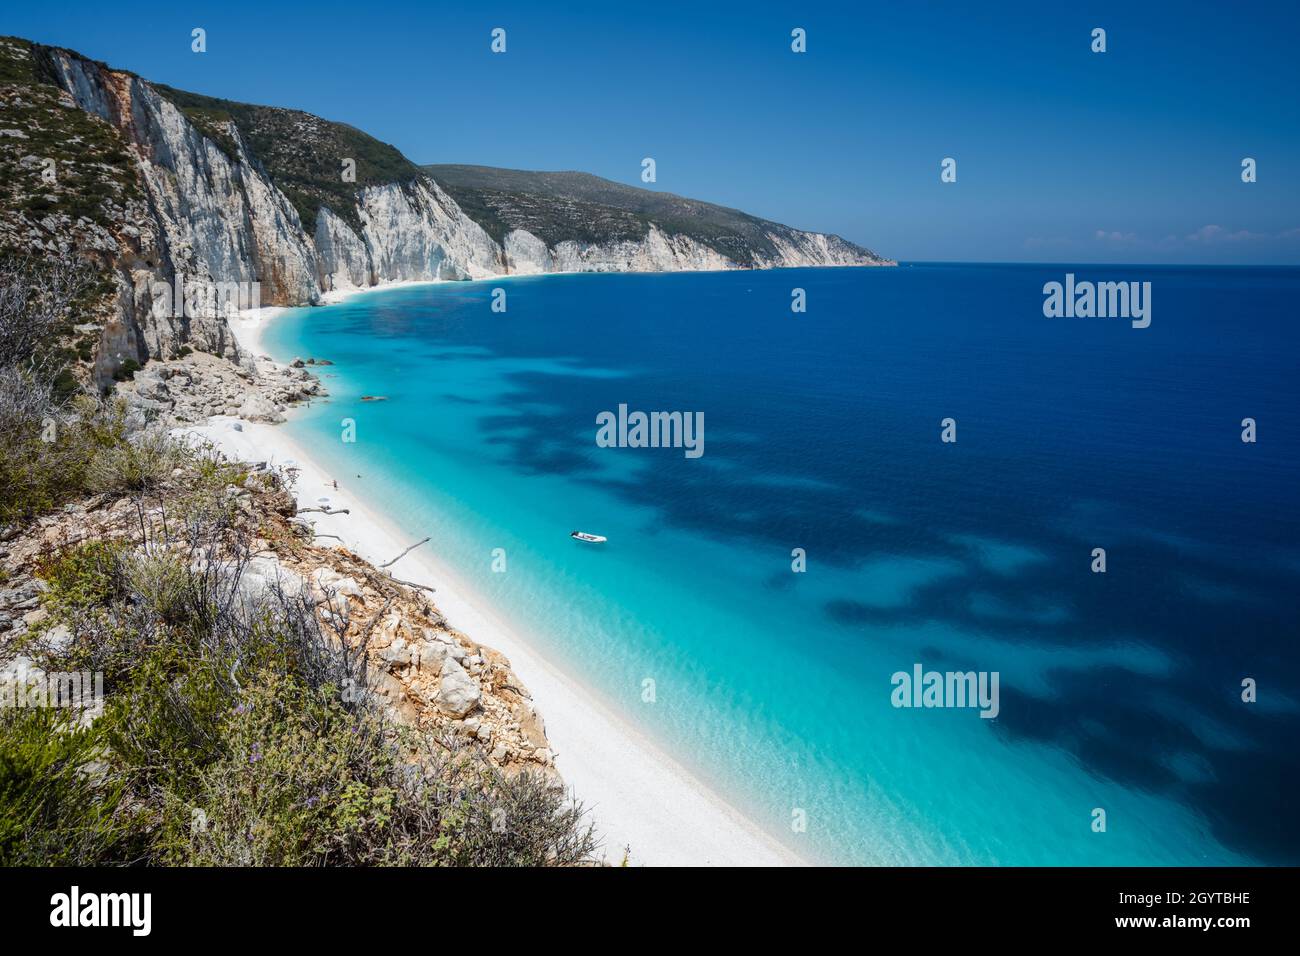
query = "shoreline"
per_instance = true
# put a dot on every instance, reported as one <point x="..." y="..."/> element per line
<point x="249" y="324"/>
<point x="636" y="794"/>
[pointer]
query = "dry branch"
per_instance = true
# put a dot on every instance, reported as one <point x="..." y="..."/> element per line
<point x="404" y="554"/>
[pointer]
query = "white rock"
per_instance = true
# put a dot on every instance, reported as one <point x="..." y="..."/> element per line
<point x="458" y="694"/>
<point x="256" y="408"/>
<point x="432" y="655"/>
<point x="58" y="638"/>
<point x="396" y="653"/>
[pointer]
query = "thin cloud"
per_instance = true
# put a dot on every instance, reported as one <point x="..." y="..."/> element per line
<point x="1207" y="235"/>
<point x="1116" y="236"/>
<point x="1211" y="233"/>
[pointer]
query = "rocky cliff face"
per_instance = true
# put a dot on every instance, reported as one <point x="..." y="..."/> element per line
<point x="210" y="220"/>
<point x="415" y="231"/>
<point x="343" y="260"/>
<point x="212" y="215"/>
<point x="657" y="252"/>
<point x="526" y="254"/>
<point x="221" y="218"/>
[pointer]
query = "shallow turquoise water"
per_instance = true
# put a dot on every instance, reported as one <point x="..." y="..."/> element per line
<point x="1118" y="691"/>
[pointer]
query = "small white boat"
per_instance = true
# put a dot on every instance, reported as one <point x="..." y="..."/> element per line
<point x="583" y="536"/>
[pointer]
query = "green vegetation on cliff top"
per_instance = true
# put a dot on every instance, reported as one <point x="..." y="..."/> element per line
<point x="302" y="153"/>
<point x="555" y="206"/>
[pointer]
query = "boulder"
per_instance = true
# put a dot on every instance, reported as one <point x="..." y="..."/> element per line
<point x="256" y="408"/>
<point x="432" y="655"/>
<point x="396" y="653"/>
<point x="531" y="725"/>
<point x="458" y="694"/>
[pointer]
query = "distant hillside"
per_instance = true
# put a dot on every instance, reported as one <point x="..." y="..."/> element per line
<point x="560" y="206"/>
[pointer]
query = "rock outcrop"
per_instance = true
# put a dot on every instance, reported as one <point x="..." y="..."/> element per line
<point x="191" y="389"/>
<point x="424" y="673"/>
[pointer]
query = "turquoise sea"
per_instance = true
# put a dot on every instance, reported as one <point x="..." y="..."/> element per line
<point x="1118" y="690"/>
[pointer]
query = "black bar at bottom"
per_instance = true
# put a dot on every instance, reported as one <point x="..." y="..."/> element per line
<point x="369" y="906"/>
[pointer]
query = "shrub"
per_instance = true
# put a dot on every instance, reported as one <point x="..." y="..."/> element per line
<point x="138" y="464"/>
<point x="165" y="723"/>
<point x="307" y="781"/>
<point x="57" y="807"/>
<point x="229" y="735"/>
<point x="37" y="299"/>
<point x="160" y="582"/>
<point x="83" y="575"/>
<point x="126" y="371"/>
<point x="45" y="445"/>
<point x="301" y="781"/>
<point x="65" y="385"/>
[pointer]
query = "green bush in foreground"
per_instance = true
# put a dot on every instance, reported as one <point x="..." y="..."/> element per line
<point x="83" y="576"/>
<point x="57" y="807"/>
<point x="48" y="445"/>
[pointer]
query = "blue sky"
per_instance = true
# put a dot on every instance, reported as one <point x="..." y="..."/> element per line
<point x="1133" y="155"/>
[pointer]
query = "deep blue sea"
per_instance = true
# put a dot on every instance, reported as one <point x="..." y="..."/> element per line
<point x="1119" y="691"/>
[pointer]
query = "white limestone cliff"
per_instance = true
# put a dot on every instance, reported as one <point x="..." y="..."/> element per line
<point x="213" y="219"/>
<point x="526" y="254"/>
<point x="657" y="252"/>
<point x="216" y="217"/>
<point x="416" y="231"/>
<point x="343" y="261"/>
